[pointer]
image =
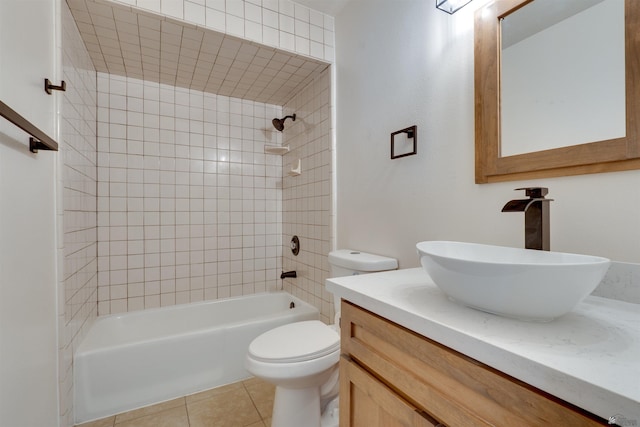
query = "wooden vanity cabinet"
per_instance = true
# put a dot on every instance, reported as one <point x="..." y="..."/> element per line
<point x="373" y="404"/>
<point x="393" y="377"/>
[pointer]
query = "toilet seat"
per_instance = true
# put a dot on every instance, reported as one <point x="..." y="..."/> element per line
<point x="295" y="342"/>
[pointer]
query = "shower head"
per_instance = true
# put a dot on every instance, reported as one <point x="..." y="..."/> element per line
<point x="279" y="123"/>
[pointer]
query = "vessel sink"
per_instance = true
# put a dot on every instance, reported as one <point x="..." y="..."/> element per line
<point x="519" y="283"/>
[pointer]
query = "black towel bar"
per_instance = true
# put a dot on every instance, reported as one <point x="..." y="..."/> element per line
<point x="39" y="140"/>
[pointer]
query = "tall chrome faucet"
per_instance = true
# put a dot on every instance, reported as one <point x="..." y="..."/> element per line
<point x="536" y="217"/>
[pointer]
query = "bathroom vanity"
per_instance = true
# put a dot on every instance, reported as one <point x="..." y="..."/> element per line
<point x="411" y="357"/>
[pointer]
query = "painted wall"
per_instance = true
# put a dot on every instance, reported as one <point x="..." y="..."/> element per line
<point x="401" y="63"/>
<point x="77" y="203"/>
<point x="306" y="198"/>
<point x="28" y="346"/>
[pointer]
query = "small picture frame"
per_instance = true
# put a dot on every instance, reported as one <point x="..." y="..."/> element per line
<point x="400" y="148"/>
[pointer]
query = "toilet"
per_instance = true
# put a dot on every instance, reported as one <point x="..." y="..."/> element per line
<point x="301" y="358"/>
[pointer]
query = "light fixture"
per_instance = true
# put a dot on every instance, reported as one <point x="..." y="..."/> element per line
<point x="451" y="6"/>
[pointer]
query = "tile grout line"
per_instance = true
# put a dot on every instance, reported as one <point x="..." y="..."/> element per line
<point x="252" y="401"/>
<point x="262" y="419"/>
<point x="186" y="409"/>
<point x="153" y="413"/>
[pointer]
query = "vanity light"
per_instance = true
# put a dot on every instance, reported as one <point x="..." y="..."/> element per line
<point x="451" y="6"/>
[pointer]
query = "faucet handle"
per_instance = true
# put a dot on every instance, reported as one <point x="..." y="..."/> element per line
<point x="535" y="192"/>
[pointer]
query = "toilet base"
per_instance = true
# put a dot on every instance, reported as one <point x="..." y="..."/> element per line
<point x="331" y="415"/>
<point x="296" y="407"/>
<point x="300" y="407"/>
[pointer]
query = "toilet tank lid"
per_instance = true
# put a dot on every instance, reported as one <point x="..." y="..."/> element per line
<point x="361" y="261"/>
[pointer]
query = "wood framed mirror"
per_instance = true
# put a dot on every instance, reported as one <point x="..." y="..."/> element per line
<point x="616" y="154"/>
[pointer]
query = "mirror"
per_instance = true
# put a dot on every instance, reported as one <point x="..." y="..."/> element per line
<point x="515" y="139"/>
<point x="561" y="85"/>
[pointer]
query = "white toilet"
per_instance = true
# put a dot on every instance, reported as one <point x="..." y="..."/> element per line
<point x="301" y="359"/>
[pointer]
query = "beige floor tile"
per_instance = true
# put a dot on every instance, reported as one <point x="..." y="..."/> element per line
<point x="231" y="409"/>
<point x="176" y="417"/>
<point x="252" y="381"/>
<point x="261" y="390"/>
<point x="262" y="394"/>
<point x="148" y="410"/>
<point x="208" y="394"/>
<point x="105" y="422"/>
<point x="265" y="408"/>
<point x="247" y="403"/>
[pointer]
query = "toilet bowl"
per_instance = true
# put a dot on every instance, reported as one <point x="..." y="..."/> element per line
<point x="301" y="359"/>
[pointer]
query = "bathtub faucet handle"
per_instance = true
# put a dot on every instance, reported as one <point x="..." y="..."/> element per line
<point x="286" y="274"/>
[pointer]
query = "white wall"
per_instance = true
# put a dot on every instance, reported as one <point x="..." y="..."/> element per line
<point x="189" y="205"/>
<point x="401" y="63"/>
<point x="28" y="347"/>
<point x="279" y="23"/>
<point x="77" y="201"/>
<point x="306" y="198"/>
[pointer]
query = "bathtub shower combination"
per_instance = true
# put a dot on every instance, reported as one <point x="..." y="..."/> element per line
<point x="136" y="359"/>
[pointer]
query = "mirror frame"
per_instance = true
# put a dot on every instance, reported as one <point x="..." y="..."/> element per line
<point x="595" y="157"/>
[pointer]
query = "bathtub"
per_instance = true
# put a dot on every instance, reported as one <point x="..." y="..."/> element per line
<point x="132" y="360"/>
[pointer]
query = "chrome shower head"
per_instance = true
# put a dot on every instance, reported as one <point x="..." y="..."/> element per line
<point x="279" y="123"/>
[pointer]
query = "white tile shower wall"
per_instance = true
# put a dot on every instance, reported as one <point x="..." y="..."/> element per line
<point x="278" y="23"/>
<point x="307" y="197"/>
<point x="78" y="278"/>
<point x="189" y="206"/>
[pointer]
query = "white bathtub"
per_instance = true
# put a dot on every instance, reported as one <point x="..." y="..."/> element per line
<point x="136" y="359"/>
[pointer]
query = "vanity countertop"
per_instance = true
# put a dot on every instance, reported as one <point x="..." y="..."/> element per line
<point x="589" y="357"/>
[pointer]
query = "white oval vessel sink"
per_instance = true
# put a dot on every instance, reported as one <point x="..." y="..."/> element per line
<point x="519" y="283"/>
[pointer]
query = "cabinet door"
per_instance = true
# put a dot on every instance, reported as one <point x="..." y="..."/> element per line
<point x="455" y="389"/>
<point x="367" y="402"/>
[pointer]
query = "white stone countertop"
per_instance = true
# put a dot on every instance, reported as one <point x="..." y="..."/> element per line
<point x="589" y="357"/>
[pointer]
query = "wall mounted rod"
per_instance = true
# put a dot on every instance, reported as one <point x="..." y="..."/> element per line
<point x="40" y="140"/>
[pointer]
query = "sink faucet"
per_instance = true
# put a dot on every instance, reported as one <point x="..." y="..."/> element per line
<point x="536" y="217"/>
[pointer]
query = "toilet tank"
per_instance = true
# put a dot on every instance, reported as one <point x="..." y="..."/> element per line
<point x="347" y="262"/>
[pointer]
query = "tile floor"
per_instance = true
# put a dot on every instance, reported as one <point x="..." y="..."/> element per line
<point x="243" y="404"/>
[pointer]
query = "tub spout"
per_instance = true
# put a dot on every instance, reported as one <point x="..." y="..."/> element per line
<point x="286" y="274"/>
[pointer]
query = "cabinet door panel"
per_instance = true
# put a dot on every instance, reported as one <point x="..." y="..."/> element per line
<point x="366" y="402"/>
<point x="450" y="386"/>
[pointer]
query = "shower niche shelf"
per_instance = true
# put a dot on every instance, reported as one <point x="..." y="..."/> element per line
<point x="276" y="149"/>
<point x="296" y="169"/>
